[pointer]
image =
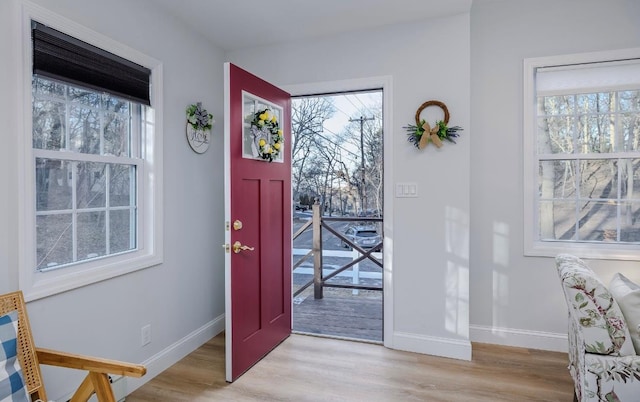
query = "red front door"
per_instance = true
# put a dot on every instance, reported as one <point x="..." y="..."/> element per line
<point x="258" y="218"/>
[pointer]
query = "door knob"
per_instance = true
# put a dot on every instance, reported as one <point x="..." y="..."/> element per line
<point x="237" y="247"/>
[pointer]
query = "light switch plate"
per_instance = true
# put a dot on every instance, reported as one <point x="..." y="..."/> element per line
<point x="407" y="190"/>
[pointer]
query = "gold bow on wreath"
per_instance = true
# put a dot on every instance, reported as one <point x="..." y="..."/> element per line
<point x="424" y="139"/>
<point x="420" y="134"/>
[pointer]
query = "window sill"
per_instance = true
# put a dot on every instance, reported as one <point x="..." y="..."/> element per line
<point x="37" y="285"/>
<point x="584" y="250"/>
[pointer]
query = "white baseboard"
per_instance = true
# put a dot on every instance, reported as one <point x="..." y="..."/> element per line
<point x="164" y="359"/>
<point x="519" y="338"/>
<point x="443" y="347"/>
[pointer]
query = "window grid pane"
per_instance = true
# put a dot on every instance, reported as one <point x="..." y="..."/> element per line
<point x="589" y="200"/>
<point x="84" y="209"/>
<point x="53" y="185"/>
<point x="54" y="233"/>
<point x="630" y="222"/>
<point x="557" y="220"/>
<point x="92" y="229"/>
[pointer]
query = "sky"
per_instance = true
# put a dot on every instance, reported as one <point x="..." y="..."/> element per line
<point x="350" y="106"/>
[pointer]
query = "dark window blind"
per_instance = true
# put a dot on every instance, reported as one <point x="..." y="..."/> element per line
<point x="59" y="56"/>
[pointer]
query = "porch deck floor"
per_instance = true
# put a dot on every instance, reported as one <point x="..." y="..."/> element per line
<point x="340" y="314"/>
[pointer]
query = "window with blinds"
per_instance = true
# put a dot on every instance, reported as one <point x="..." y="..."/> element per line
<point x="94" y="200"/>
<point x="582" y="154"/>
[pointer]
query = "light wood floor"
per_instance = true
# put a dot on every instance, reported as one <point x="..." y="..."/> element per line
<point x="308" y="368"/>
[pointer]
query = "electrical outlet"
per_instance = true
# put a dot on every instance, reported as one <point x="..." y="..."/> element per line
<point x="146" y="335"/>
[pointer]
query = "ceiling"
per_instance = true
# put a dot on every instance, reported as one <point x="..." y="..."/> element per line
<point x="237" y="24"/>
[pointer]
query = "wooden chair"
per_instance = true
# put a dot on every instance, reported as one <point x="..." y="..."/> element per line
<point x="30" y="357"/>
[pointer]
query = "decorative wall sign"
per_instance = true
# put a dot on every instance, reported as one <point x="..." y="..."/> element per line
<point x="422" y="133"/>
<point x="199" y="125"/>
<point x="262" y="135"/>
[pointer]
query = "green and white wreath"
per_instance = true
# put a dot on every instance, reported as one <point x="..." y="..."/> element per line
<point x="267" y="134"/>
<point x="421" y="134"/>
<point x="199" y="118"/>
<point x="199" y="125"/>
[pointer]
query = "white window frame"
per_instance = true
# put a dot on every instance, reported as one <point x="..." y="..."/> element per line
<point x="533" y="246"/>
<point x="36" y="284"/>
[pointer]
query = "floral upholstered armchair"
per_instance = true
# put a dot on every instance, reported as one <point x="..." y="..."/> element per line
<point x="602" y="359"/>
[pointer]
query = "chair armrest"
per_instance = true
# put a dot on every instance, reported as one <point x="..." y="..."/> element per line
<point x="613" y="368"/>
<point x="89" y="363"/>
<point x="611" y="378"/>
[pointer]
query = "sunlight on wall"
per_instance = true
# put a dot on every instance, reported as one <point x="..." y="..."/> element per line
<point x="457" y="233"/>
<point x="501" y="244"/>
<point x="457" y="277"/>
<point x="500" y="280"/>
<point x="457" y="300"/>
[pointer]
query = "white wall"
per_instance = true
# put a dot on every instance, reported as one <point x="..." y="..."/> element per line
<point x="183" y="298"/>
<point x="8" y="128"/>
<point x="515" y="299"/>
<point x="429" y="234"/>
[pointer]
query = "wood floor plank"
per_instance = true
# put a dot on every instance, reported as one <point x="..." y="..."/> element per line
<point x="309" y="368"/>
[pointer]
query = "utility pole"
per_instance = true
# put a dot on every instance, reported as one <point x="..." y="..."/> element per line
<point x="363" y="195"/>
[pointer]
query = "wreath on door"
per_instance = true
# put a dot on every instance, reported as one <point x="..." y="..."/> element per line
<point x="267" y="134"/>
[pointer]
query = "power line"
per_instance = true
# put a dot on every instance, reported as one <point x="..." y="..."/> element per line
<point x="350" y="101"/>
<point x="342" y="111"/>
<point x="335" y="143"/>
<point x="361" y="102"/>
<point x="365" y="108"/>
<point x="374" y="108"/>
<point x="348" y="97"/>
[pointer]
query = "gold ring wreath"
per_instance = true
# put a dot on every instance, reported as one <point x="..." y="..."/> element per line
<point x="431" y="133"/>
<point x="432" y="103"/>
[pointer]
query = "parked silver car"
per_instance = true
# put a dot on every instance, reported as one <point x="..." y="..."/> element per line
<point x="363" y="236"/>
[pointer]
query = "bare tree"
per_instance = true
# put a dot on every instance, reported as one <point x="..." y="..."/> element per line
<point x="329" y="155"/>
<point x="308" y="114"/>
<point x="326" y="165"/>
<point x="374" y="160"/>
<point x="372" y="147"/>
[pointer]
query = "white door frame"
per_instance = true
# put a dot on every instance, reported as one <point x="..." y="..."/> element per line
<point x="384" y="82"/>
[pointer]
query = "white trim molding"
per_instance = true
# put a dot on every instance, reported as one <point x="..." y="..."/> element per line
<point x="386" y="84"/>
<point x="519" y="338"/>
<point x="430" y="345"/>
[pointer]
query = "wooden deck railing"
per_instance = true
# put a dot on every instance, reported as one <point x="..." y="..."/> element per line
<point x="319" y="281"/>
